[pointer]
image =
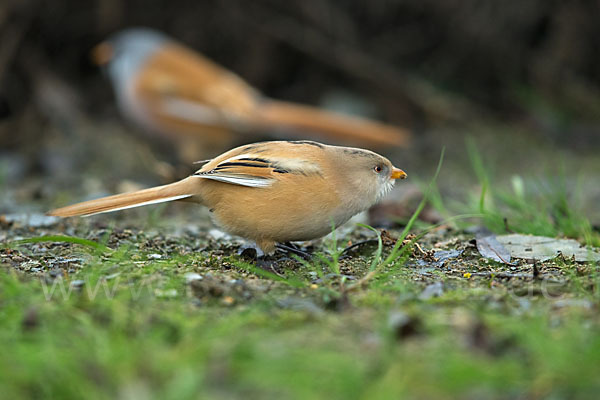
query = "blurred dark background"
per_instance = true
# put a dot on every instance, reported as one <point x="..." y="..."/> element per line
<point x="440" y="68"/>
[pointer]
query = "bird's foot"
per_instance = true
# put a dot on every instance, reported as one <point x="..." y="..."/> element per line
<point x="290" y="248"/>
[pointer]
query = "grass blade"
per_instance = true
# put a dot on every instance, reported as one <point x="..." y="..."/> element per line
<point x="61" y="239"/>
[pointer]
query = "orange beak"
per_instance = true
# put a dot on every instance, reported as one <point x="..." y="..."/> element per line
<point x="397" y="173"/>
<point x="102" y="54"/>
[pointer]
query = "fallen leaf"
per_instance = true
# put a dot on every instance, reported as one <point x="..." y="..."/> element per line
<point x="490" y="247"/>
<point x="541" y="248"/>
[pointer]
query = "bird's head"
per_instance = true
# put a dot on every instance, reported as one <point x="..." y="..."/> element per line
<point x="122" y="54"/>
<point x="369" y="175"/>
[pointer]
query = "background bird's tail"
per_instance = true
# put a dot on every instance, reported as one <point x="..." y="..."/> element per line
<point x="336" y="127"/>
<point x="160" y="194"/>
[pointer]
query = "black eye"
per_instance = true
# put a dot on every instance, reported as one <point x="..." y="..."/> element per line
<point x="378" y="168"/>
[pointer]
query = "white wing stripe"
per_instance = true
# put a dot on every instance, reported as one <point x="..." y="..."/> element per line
<point x="250" y="181"/>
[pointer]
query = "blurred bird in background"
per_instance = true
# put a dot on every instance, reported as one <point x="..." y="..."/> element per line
<point x="174" y="91"/>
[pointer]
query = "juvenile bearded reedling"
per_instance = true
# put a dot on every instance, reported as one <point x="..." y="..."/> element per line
<point x="272" y="192"/>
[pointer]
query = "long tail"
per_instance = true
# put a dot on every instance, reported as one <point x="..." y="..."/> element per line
<point x="338" y="127"/>
<point x="175" y="191"/>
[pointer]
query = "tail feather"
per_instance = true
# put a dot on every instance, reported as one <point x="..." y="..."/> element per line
<point x="338" y="127"/>
<point x="160" y="194"/>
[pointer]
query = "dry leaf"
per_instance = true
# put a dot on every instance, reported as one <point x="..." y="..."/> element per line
<point x="490" y="247"/>
<point x="543" y="248"/>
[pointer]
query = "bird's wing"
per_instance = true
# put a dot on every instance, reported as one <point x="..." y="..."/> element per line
<point x="262" y="164"/>
<point x="243" y="171"/>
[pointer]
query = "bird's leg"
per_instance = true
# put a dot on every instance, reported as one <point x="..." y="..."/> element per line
<point x="254" y="255"/>
<point x="289" y="247"/>
<point x="266" y="261"/>
<point x="251" y="251"/>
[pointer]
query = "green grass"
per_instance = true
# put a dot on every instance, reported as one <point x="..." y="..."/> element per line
<point x="124" y="342"/>
<point x="128" y="324"/>
<point x="549" y="206"/>
<point x="62" y="239"/>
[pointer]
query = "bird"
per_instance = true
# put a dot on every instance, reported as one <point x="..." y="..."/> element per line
<point x="170" y="89"/>
<point x="271" y="192"/>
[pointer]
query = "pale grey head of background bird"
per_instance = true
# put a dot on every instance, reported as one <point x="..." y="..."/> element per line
<point x="126" y="51"/>
<point x="121" y="57"/>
